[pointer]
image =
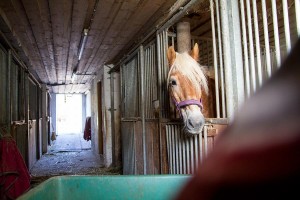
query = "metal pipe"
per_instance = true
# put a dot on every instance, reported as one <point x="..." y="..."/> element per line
<point x="159" y="74"/>
<point x="245" y="47"/>
<point x="221" y="62"/>
<point x="205" y="140"/>
<point x="184" y="155"/>
<point x="112" y="111"/>
<point x="192" y="155"/>
<point x="176" y="151"/>
<point x="266" y="34"/>
<point x="173" y="148"/>
<point x="9" y="103"/>
<point x="252" y="66"/>
<point x="180" y="139"/>
<point x="141" y="53"/>
<point x="276" y="34"/>
<point x="257" y="43"/>
<point x="215" y="60"/>
<point x="227" y="59"/>
<point x="168" y="147"/>
<point x="297" y="12"/>
<point x="200" y="147"/>
<point x="188" y="156"/>
<point x="286" y="25"/>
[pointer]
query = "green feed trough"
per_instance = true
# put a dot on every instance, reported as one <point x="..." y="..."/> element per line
<point x="108" y="187"/>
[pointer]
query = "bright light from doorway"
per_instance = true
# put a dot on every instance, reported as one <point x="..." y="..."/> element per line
<point x="68" y="113"/>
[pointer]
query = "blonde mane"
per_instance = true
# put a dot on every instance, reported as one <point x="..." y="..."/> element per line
<point x="191" y="70"/>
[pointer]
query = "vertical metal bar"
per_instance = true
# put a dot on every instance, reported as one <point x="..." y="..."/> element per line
<point x="168" y="147"/>
<point x="180" y="152"/>
<point x="245" y="48"/>
<point x="192" y="154"/>
<point x="159" y="75"/>
<point x="252" y="67"/>
<point x="176" y="151"/>
<point x="173" y="149"/>
<point x="9" y="84"/>
<point x="112" y="110"/>
<point x="205" y="140"/>
<point x="286" y="25"/>
<point x="196" y="151"/>
<point x="221" y="61"/>
<point x="215" y="57"/>
<point x="184" y="154"/>
<point x="257" y="43"/>
<point x="266" y="34"/>
<point x="188" y="156"/>
<point x="141" y="52"/>
<point x="200" y="146"/>
<point x="276" y="34"/>
<point x="297" y="12"/>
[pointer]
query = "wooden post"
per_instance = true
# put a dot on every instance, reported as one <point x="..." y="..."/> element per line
<point x="183" y="37"/>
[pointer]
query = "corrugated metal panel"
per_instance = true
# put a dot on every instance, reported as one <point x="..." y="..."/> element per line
<point x="150" y="75"/>
<point x="130" y="89"/>
<point x="185" y="152"/>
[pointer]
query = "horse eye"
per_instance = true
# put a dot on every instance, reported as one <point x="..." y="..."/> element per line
<point x="173" y="82"/>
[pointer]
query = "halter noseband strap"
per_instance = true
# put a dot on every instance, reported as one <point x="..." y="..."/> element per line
<point x="187" y="103"/>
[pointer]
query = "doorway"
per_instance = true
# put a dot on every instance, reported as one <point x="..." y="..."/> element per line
<point x="69" y="126"/>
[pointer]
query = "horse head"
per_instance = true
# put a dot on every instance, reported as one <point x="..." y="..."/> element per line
<point x="186" y="82"/>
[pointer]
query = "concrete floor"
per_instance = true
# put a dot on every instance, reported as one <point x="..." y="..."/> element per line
<point x="69" y="154"/>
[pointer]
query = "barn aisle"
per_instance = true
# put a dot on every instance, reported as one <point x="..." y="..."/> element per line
<point x="70" y="154"/>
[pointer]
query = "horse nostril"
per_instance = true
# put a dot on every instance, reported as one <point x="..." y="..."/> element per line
<point x="191" y="123"/>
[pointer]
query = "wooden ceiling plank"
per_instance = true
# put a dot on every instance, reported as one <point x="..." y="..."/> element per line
<point x="33" y="13"/>
<point x="21" y="29"/>
<point x="80" y="10"/>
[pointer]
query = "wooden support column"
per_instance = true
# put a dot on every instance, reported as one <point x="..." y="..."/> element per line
<point x="183" y="37"/>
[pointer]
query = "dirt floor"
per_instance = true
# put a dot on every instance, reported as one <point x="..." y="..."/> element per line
<point x="69" y="154"/>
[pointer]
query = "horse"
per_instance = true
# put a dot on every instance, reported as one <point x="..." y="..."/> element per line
<point x="186" y="83"/>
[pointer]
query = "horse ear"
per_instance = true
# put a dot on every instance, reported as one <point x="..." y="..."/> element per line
<point x="195" y="52"/>
<point x="171" y="54"/>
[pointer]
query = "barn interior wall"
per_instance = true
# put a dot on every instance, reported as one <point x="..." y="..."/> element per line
<point x="110" y="153"/>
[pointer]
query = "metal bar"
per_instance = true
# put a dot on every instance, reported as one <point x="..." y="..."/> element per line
<point x="245" y="47"/>
<point x="176" y="151"/>
<point x="257" y="43"/>
<point x="266" y="34"/>
<point x="252" y="66"/>
<point x="141" y="53"/>
<point x="221" y="61"/>
<point x="159" y="75"/>
<point x="276" y="34"/>
<point x="196" y="151"/>
<point x="168" y="148"/>
<point x="112" y="110"/>
<point x="9" y="89"/>
<point x="227" y="59"/>
<point x="173" y="149"/>
<point x="192" y="154"/>
<point x="286" y="25"/>
<point x="180" y="152"/>
<point x="205" y="140"/>
<point x="200" y="147"/>
<point x="188" y="156"/>
<point x="184" y="155"/>
<point x="297" y="12"/>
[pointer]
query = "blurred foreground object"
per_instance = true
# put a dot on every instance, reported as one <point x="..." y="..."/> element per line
<point x="258" y="155"/>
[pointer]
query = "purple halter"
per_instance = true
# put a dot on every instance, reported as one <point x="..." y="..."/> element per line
<point x="187" y="103"/>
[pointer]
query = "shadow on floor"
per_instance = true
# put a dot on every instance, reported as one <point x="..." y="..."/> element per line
<point x="70" y="154"/>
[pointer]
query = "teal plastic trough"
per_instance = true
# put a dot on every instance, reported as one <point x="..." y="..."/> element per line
<point x="131" y="187"/>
